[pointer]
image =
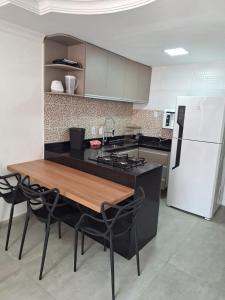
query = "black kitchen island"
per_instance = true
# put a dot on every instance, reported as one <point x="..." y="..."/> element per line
<point x="148" y="176"/>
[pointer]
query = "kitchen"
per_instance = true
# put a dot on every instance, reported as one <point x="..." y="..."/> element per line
<point x="172" y="255"/>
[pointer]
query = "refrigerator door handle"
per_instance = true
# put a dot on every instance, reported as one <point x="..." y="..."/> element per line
<point x="180" y="122"/>
<point x="178" y="153"/>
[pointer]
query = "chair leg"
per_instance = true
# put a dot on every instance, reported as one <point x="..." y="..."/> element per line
<point x="59" y="230"/>
<point x="9" y="227"/>
<point x="137" y="251"/>
<point x="75" y="249"/>
<point x="24" y="234"/>
<point x="44" y="250"/>
<point x="112" y="267"/>
<point x="104" y="244"/>
<point x="82" y="243"/>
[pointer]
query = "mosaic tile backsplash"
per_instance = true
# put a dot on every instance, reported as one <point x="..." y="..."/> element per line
<point x="151" y="123"/>
<point x="63" y="112"/>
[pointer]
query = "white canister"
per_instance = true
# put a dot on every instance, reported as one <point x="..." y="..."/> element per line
<point x="71" y="84"/>
<point x="57" y="86"/>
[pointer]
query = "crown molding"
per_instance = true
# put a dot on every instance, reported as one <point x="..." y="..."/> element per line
<point x="31" y="5"/>
<point x="23" y="32"/>
<point x="86" y="7"/>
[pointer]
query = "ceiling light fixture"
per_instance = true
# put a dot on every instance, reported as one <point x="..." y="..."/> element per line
<point x="176" y="51"/>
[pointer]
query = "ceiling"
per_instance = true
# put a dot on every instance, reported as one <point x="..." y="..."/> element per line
<point x="142" y="33"/>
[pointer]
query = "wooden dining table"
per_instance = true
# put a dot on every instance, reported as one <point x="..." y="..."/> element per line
<point x="83" y="188"/>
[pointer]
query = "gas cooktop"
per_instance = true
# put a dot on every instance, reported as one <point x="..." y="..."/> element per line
<point x="122" y="161"/>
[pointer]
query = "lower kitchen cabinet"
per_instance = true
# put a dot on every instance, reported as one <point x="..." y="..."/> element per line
<point x="153" y="155"/>
<point x="160" y="157"/>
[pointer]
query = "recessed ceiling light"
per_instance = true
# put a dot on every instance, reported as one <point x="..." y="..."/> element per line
<point x="176" y="51"/>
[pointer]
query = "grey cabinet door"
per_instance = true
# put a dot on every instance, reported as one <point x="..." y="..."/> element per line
<point x="96" y="71"/>
<point x="111" y="76"/>
<point x="116" y="75"/>
<point x="137" y="81"/>
<point x="160" y="157"/>
<point x="131" y="80"/>
<point x="144" y="80"/>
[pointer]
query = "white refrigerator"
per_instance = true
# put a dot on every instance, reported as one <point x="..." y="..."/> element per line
<point x="196" y="174"/>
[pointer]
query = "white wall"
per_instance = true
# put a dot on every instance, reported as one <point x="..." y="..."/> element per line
<point x="184" y="80"/>
<point x="21" y="99"/>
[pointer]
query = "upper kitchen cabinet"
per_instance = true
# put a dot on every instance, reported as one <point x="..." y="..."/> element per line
<point x="115" y="75"/>
<point x="137" y="82"/>
<point x="144" y="80"/>
<point x="96" y="70"/>
<point x="102" y="74"/>
<point x="58" y="47"/>
<point x="131" y="81"/>
<point x="111" y="76"/>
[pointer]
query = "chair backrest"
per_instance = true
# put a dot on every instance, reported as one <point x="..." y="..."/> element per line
<point x="127" y="211"/>
<point x="40" y="197"/>
<point x="9" y="183"/>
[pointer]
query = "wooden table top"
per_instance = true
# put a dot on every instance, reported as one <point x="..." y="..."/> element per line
<point x="86" y="189"/>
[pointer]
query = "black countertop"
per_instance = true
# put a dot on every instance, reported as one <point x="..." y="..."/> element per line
<point x="155" y="143"/>
<point x="84" y="160"/>
<point x="144" y="141"/>
<point x="89" y="155"/>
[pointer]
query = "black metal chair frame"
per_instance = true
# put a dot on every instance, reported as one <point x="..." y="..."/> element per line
<point x="40" y="197"/>
<point x="122" y="211"/>
<point x="7" y="188"/>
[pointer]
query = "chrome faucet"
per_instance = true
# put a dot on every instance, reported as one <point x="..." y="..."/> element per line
<point x="107" y="129"/>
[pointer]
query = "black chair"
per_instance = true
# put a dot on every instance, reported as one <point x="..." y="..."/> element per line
<point x="10" y="191"/>
<point x="47" y="206"/>
<point x="114" y="221"/>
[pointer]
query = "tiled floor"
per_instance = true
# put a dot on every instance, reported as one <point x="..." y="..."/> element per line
<point x="185" y="261"/>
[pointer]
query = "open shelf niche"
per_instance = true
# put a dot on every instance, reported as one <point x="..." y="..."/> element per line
<point x="63" y="46"/>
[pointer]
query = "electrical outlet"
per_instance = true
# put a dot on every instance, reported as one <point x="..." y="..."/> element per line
<point x="100" y="131"/>
<point x="155" y="114"/>
<point x="93" y="130"/>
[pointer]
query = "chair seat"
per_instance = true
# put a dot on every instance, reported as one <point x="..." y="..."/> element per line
<point x="93" y="227"/>
<point x="61" y="213"/>
<point x="19" y="197"/>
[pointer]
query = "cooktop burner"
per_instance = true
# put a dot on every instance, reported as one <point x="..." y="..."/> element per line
<point x="122" y="161"/>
